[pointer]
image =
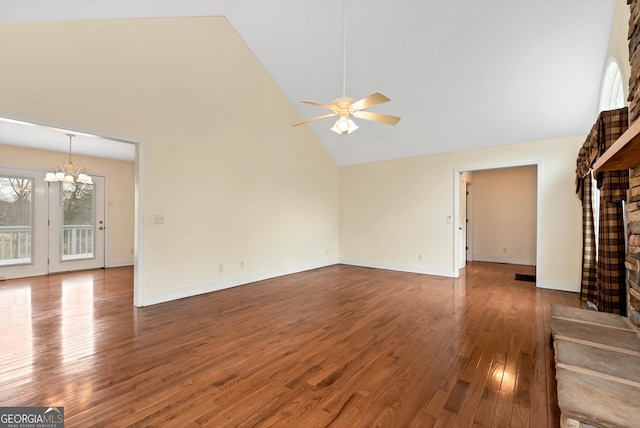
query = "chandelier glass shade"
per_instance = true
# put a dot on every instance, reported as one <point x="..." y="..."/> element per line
<point x="68" y="172"/>
<point x="344" y="125"/>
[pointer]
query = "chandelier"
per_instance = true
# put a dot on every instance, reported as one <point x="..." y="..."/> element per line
<point x="68" y="172"/>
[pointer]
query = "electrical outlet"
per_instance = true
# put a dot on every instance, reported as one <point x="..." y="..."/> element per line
<point x="159" y="218"/>
<point x="241" y="265"/>
<point x="220" y="268"/>
<point x="504" y="251"/>
<point x="420" y="257"/>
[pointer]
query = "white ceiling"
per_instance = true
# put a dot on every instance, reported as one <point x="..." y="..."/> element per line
<point x="26" y="134"/>
<point x="462" y="74"/>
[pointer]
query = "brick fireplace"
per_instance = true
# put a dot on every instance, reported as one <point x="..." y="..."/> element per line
<point x="633" y="198"/>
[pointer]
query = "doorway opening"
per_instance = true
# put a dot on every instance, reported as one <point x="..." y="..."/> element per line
<point x="33" y="147"/>
<point x="497" y="210"/>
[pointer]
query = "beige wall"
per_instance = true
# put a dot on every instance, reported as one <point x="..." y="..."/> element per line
<point x="235" y="182"/>
<point x="395" y="214"/>
<point x="238" y="186"/>
<point x="392" y="212"/>
<point x="618" y="45"/>
<point x="504" y="215"/>
<point x="120" y="188"/>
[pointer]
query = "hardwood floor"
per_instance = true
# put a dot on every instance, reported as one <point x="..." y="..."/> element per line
<point x="340" y="346"/>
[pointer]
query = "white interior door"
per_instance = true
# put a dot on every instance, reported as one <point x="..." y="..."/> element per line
<point x="469" y="222"/>
<point x="76" y="225"/>
<point x="462" y="225"/>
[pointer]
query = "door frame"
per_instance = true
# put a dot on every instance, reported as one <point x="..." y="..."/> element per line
<point x="457" y="180"/>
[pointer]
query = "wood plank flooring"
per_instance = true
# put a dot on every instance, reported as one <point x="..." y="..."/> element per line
<point x="340" y="346"/>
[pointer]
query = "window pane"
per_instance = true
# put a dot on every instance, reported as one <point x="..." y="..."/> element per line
<point x="77" y="221"/>
<point x="15" y="220"/>
<point x="612" y="90"/>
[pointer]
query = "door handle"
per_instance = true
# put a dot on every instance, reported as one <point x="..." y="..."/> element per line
<point x="101" y="228"/>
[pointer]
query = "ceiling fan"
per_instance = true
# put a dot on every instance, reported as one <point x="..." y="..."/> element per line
<point x="344" y="107"/>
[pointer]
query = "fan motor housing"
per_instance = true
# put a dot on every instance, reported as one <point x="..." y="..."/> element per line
<point x="342" y="105"/>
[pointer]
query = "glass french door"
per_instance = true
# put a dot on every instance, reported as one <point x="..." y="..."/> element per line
<point x="23" y="213"/>
<point x="49" y="227"/>
<point x="76" y="226"/>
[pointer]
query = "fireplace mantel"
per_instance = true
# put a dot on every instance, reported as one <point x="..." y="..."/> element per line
<point x="624" y="153"/>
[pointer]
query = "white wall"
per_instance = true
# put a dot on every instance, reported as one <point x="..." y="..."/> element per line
<point x="618" y="44"/>
<point x="505" y="215"/>
<point x="120" y="207"/>
<point x="392" y="212"/>
<point x="238" y="186"/>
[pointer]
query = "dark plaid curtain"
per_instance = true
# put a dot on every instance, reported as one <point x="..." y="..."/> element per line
<point x="609" y="291"/>
<point x="584" y="181"/>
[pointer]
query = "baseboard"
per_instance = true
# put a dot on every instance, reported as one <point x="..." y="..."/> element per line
<point x="400" y="268"/>
<point x="574" y="288"/>
<point x="507" y="260"/>
<point x="154" y="299"/>
<point x="121" y="264"/>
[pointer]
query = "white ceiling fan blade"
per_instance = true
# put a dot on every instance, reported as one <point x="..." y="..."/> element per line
<point x="371" y="100"/>
<point x="313" y="103"/>
<point x="314" y="119"/>
<point x="377" y="117"/>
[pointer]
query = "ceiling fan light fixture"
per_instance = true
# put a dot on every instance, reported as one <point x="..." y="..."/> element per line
<point x="344" y="126"/>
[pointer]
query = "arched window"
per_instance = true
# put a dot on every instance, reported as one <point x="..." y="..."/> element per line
<point x="612" y="91"/>
<point x="611" y="97"/>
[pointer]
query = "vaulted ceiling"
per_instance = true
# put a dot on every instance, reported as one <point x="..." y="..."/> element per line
<point x="462" y="74"/>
